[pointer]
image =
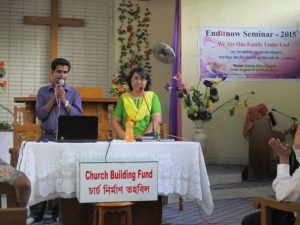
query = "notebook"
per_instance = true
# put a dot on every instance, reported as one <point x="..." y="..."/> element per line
<point x="77" y="129"/>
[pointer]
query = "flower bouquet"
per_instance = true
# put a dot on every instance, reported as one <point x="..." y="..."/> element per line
<point x="199" y="103"/>
<point x="3" y="87"/>
<point x="119" y="85"/>
<point x="3" y="83"/>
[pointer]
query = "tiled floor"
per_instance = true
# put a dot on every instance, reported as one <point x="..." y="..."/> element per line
<point x="226" y="212"/>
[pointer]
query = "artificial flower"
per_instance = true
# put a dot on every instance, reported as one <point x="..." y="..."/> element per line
<point x="178" y="76"/>
<point x="247" y="103"/>
<point x="119" y="85"/>
<point x="199" y="104"/>
<point x="167" y="87"/>
<point x="4" y="84"/>
<point x="2" y="69"/>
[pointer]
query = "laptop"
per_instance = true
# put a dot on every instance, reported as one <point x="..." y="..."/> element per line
<point x="77" y="129"/>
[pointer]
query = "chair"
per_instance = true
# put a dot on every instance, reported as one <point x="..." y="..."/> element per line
<point x="266" y="203"/>
<point x="123" y="208"/>
<point x="26" y="132"/>
<point x="25" y="129"/>
<point x="12" y="214"/>
<point x="89" y="92"/>
<point x="25" y="126"/>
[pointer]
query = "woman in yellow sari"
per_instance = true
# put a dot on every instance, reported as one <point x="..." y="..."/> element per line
<point x="140" y="104"/>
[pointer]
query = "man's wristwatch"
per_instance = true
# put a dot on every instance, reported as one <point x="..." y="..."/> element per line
<point x="67" y="104"/>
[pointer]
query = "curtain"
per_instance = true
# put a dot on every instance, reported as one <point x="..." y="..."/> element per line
<point x="175" y="106"/>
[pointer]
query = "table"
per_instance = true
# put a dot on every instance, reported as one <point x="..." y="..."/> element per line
<point x="51" y="166"/>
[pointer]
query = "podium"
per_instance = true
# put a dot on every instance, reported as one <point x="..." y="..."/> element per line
<point x="26" y="126"/>
<point x="262" y="165"/>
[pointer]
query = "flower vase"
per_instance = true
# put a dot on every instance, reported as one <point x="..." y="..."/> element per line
<point x="199" y="135"/>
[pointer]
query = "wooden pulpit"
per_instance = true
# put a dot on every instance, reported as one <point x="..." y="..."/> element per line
<point x="261" y="165"/>
<point x="27" y="127"/>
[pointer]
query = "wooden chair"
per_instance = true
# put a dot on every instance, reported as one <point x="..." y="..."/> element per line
<point x="25" y="126"/>
<point x="267" y="203"/>
<point x="89" y="92"/>
<point x="25" y="129"/>
<point x="12" y="214"/>
<point x="23" y="115"/>
<point x="123" y="208"/>
<point x="26" y="132"/>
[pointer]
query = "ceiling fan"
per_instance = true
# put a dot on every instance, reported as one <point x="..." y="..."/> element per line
<point x="163" y="52"/>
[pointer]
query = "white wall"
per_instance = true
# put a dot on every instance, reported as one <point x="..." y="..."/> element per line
<point x="224" y="134"/>
<point x="6" y="142"/>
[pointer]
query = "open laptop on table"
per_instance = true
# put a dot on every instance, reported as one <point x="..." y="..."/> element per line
<point x="77" y="129"/>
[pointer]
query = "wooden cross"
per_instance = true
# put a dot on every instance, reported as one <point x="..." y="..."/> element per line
<point x="54" y="21"/>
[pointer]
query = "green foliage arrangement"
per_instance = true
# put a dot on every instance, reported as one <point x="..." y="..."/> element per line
<point x="133" y="37"/>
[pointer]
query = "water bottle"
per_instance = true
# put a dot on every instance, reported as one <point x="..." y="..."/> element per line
<point x="129" y="136"/>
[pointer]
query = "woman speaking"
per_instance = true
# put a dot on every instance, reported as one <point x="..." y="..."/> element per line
<point x="140" y="104"/>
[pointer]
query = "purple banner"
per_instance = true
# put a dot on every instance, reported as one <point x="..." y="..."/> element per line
<point x="250" y="53"/>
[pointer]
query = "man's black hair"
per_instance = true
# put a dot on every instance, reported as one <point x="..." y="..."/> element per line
<point x="60" y="61"/>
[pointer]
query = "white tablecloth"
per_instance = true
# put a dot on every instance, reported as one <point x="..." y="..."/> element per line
<point x="51" y="167"/>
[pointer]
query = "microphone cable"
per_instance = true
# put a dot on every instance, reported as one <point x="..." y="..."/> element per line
<point x="58" y="102"/>
<point x="153" y="128"/>
<point x="22" y="152"/>
<point x="107" y="149"/>
<point x="293" y="118"/>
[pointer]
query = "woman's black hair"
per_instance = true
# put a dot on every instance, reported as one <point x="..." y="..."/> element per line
<point x="143" y="73"/>
<point x="60" y="61"/>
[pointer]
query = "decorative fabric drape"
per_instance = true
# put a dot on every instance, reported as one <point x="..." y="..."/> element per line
<point x="254" y="113"/>
<point x="175" y="106"/>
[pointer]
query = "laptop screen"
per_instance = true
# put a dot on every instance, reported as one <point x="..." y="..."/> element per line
<point x="77" y="128"/>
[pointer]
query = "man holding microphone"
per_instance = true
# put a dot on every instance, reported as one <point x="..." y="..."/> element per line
<point x="54" y="100"/>
<point x="57" y="99"/>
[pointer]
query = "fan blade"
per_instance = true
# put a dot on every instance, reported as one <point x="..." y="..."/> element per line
<point x="163" y="52"/>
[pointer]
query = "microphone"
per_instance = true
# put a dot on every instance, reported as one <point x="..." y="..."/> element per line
<point x="143" y="93"/>
<point x="293" y="118"/>
<point x="272" y="119"/>
<point x="61" y="82"/>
